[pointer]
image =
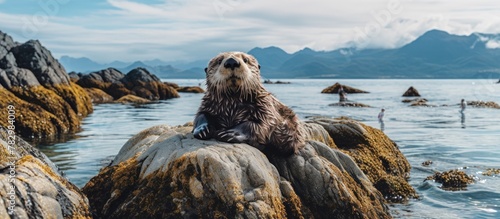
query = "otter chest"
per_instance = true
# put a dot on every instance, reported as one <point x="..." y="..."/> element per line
<point x="231" y="113"/>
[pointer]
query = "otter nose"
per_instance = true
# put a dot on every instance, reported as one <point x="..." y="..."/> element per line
<point x="231" y="63"/>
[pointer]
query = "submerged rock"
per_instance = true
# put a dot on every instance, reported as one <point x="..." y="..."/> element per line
<point x="421" y="102"/>
<point x="194" y="89"/>
<point x="414" y="100"/>
<point x="427" y="163"/>
<point x="132" y="99"/>
<point x="491" y="172"/>
<point x="349" y="104"/>
<point x="335" y="89"/>
<point x="46" y="102"/>
<point x="277" y="82"/>
<point x="31" y="186"/>
<point x="411" y="92"/>
<point x="483" y="104"/>
<point x="163" y="172"/>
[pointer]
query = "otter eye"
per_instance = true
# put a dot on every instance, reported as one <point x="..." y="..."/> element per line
<point x="245" y="60"/>
<point x="219" y="61"/>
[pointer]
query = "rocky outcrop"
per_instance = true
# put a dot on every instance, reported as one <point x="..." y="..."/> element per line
<point x="376" y="155"/>
<point x="47" y="103"/>
<point x="139" y="82"/>
<point x="31" y="187"/>
<point x="163" y="172"/>
<point x="101" y="79"/>
<point x="334" y="89"/>
<point x="411" y="92"/>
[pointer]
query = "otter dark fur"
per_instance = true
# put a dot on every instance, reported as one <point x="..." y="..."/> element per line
<point x="236" y="108"/>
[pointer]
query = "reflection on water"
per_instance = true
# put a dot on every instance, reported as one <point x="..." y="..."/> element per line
<point x="462" y="118"/>
<point x="422" y="133"/>
<point x="382" y="125"/>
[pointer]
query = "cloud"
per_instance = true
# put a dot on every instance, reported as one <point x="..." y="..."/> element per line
<point x="197" y="29"/>
<point x="493" y="44"/>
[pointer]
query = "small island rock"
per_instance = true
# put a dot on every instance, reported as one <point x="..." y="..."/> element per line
<point x="411" y="92"/>
<point x="334" y="89"/>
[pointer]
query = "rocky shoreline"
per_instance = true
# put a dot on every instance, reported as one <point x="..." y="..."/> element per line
<point x="51" y="103"/>
<point x="48" y="103"/>
<point x="164" y="172"/>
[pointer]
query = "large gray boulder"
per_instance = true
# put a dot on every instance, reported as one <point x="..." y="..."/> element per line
<point x="32" y="55"/>
<point x="17" y="77"/>
<point x="32" y="187"/>
<point x="163" y="172"/>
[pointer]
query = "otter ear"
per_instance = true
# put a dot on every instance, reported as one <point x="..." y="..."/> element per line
<point x="206" y="69"/>
<point x="259" y="66"/>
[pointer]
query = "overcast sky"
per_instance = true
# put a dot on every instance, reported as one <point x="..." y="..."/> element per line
<point x="199" y="29"/>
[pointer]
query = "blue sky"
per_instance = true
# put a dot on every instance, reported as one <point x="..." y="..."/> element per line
<point x="186" y="30"/>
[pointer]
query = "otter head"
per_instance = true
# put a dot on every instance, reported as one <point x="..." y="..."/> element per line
<point x="233" y="73"/>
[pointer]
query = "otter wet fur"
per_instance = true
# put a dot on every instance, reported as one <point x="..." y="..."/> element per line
<point x="237" y="108"/>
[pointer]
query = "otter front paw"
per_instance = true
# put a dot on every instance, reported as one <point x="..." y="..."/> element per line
<point x="232" y="136"/>
<point x="202" y="132"/>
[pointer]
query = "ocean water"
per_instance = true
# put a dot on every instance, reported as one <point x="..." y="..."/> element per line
<point x="440" y="134"/>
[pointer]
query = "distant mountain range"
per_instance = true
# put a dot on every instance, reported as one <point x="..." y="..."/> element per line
<point x="435" y="54"/>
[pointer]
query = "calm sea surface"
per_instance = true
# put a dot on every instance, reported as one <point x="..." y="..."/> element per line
<point x="439" y="134"/>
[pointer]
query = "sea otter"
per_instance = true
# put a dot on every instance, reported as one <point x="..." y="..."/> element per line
<point x="236" y="108"/>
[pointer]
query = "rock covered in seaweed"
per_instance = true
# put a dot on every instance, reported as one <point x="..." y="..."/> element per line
<point x="452" y="179"/>
<point x="47" y="103"/>
<point x="165" y="172"/>
<point x="376" y="155"/>
<point x="483" y="104"/>
<point x="33" y="185"/>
